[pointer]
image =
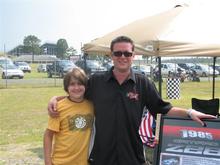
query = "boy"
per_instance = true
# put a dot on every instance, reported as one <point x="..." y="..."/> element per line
<point x="71" y="131"/>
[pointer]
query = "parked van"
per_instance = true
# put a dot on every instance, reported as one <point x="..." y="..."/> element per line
<point x="169" y="68"/>
<point x="5" y="60"/>
<point x="204" y="70"/>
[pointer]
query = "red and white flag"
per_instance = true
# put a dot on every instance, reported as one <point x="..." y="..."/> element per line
<point x="146" y="129"/>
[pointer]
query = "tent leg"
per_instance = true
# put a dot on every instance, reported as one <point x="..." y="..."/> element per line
<point x="160" y="77"/>
<point x="213" y="78"/>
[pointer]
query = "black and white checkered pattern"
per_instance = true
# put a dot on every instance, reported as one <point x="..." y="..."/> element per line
<point x="173" y="88"/>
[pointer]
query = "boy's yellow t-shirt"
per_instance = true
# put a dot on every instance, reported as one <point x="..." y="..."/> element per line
<point x="73" y="130"/>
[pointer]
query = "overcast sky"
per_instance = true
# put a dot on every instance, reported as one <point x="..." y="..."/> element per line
<point x="78" y="21"/>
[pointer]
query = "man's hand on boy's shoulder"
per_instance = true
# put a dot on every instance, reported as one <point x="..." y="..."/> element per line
<point x="52" y="107"/>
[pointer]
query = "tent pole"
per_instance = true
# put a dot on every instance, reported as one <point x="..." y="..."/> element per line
<point x="159" y="68"/>
<point x="85" y="56"/>
<point x="160" y="78"/>
<point x="213" y="78"/>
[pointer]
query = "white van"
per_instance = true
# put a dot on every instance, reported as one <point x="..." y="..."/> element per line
<point x="5" y="60"/>
<point x="204" y="70"/>
<point x="169" y="68"/>
<point x="166" y="69"/>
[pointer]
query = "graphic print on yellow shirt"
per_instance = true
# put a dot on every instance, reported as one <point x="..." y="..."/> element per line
<point x="80" y="122"/>
<point x="73" y="131"/>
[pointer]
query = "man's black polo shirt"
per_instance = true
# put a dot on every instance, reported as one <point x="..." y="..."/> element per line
<point x="118" y="112"/>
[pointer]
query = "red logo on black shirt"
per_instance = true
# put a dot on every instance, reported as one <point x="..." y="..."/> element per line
<point x="132" y="95"/>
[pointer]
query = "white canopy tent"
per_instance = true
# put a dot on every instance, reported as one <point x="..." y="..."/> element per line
<point x="181" y="31"/>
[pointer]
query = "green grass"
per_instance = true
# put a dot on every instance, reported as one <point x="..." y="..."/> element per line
<point x="23" y="113"/>
<point x="23" y="117"/>
<point x="34" y="73"/>
<point x="188" y="90"/>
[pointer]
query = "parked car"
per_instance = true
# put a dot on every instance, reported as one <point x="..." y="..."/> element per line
<point x="203" y="70"/>
<point x="170" y="70"/>
<point x="90" y="66"/>
<point x="42" y="68"/>
<point x="166" y="69"/>
<point x="60" y="68"/>
<point x="186" y="66"/>
<point x="23" y="66"/>
<point x="108" y="65"/>
<point x="217" y="67"/>
<point x="4" y="60"/>
<point x="144" y="69"/>
<point x="11" y="71"/>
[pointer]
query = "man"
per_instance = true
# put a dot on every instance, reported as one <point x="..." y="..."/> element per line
<point x="119" y="97"/>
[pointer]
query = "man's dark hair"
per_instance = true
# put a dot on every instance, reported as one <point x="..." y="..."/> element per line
<point x="122" y="39"/>
<point x="76" y="74"/>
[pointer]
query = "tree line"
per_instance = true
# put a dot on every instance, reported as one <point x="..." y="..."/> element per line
<point x="31" y="45"/>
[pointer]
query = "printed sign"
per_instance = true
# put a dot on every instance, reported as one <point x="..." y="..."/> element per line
<point x="183" y="141"/>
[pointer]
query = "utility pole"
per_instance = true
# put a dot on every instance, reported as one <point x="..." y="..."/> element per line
<point x="6" y="64"/>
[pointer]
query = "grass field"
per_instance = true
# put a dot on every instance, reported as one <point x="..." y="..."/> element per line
<point x="23" y="117"/>
<point x="34" y="73"/>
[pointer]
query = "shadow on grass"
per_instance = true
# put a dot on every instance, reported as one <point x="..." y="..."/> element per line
<point x="38" y="151"/>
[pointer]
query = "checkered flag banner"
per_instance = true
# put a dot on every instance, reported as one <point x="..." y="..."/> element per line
<point x="146" y="129"/>
<point x="173" y="88"/>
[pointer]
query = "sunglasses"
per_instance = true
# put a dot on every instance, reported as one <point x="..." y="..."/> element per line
<point x="119" y="54"/>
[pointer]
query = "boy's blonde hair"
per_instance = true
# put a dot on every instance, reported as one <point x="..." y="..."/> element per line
<point x="76" y="74"/>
